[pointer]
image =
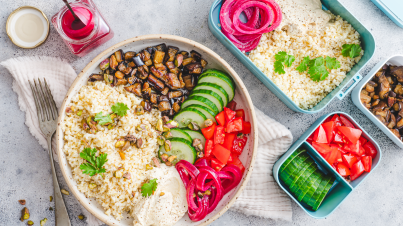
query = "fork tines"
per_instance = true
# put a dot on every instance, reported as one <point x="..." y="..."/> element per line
<point x="45" y="105"/>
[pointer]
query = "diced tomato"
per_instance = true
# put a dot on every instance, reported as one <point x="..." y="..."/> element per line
<point x="235" y="125"/>
<point x="221" y="153"/>
<point x="219" y="135"/>
<point x="336" y="120"/>
<point x="229" y="141"/>
<point x="370" y="149"/>
<point x="343" y="170"/>
<point x="320" y="135"/>
<point x="208" y="148"/>
<point x="329" y="128"/>
<point x="220" y="118"/>
<point x="229" y="114"/>
<point x="239" y="144"/>
<point x="216" y="164"/>
<point x="367" y="162"/>
<point x="208" y="132"/>
<point x="338" y="157"/>
<point x="362" y="151"/>
<point x="321" y="148"/>
<point x="346" y="122"/>
<point x="349" y="159"/>
<point x="355" y="148"/>
<point x="333" y="156"/>
<point x="338" y="138"/>
<point x="357" y="170"/>
<point x="236" y="162"/>
<point x="232" y="105"/>
<point x="362" y="140"/>
<point x="350" y="133"/>
<point x="346" y="148"/>
<point x="328" y="119"/>
<point x="246" y="127"/>
<point x="240" y="113"/>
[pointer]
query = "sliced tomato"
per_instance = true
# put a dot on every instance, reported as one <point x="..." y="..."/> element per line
<point x="350" y="133"/>
<point x="338" y="158"/>
<point x="338" y="138"/>
<point x="333" y="156"/>
<point x="346" y="122"/>
<point x="320" y="135"/>
<point x="367" y="162"/>
<point x="220" y="118"/>
<point x="240" y="113"/>
<point x="343" y="170"/>
<point x="321" y="148"/>
<point x="236" y="162"/>
<point x="357" y="170"/>
<point x="355" y="148"/>
<point x="362" y="140"/>
<point x="219" y="135"/>
<point x="349" y="159"/>
<point x="208" y="148"/>
<point x="216" y="164"/>
<point x="232" y="105"/>
<point x="229" y="141"/>
<point x="235" y="125"/>
<point x="370" y="149"/>
<point x="329" y="128"/>
<point x="229" y="114"/>
<point x="208" y="132"/>
<point x="221" y="153"/>
<point x="239" y="144"/>
<point x="247" y="127"/>
<point x="336" y="120"/>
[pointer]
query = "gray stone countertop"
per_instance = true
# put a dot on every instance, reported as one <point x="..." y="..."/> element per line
<point x="24" y="165"/>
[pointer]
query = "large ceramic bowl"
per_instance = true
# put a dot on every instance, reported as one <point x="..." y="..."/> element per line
<point x="214" y="61"/>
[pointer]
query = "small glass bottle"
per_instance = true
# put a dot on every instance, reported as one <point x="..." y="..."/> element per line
<point x="82" y="41"/>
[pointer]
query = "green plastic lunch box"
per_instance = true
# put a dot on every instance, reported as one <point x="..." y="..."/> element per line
<point x="367" y="40"/>
<point x="340" y="188"/>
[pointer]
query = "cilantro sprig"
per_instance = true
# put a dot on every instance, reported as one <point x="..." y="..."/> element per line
<point x="282" y="59"/>
<point x="120" y="109"/>
<point x="351" y="50"/>
<point x="94" y="164"/>
<point x="101" y="119"/>
<point x="304" y="64"/>
<point x="148" y="188"/>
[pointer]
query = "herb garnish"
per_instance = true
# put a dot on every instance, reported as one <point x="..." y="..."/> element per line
<point x="120" y="109"/>
<point x="332" y="63"/>
<point x="304" y="64"/>
<point x="282" y="58"/>
<point x="351" y="50"/>
<point x="317" y="69"/>
<point x="102" y="120"/>
<point x="148" y="188"/>
<point x="94" y="165"/>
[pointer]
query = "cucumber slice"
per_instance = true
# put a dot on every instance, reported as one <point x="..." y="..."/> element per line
<point x="205" y="110"/>
<point x="200" y="101"/>
<point x="181" y="148"/>
<point x="291" y="171"/>
<point x="219" y="79"/>
<point x="185" y="116"/>
<point x="290" y="159"/>
<point x="315" y="181"/>
<point x="322" y="185"/>
<point x="180" y="133"/>
<point x="196" y="134"/>
<point x="215" y="88"/>
<point x="323" y="195"/>
<point x="301" y="174"/>
<point x="308" y="184"/>
<point x="302" y="184"/>
<point x="212" y="96"/>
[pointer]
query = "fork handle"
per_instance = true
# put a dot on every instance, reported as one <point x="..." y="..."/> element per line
<point x="61" y="215"/>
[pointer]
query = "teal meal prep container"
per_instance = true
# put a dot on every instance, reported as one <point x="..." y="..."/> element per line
<point x="340" y="188"/>
<point x="396" y="60"/>
<point x="393" y="9"/>
<point x="367" y="40"/>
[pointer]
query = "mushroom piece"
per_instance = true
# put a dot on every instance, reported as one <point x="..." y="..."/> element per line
<point x="369" y="88"/>
<point x="392" y="122"/>
<point x="375" y="102"/>
<point x="136" y="89"/>
<point x="365" y="99"/>
<point x="380" y="118"/>
<point x="391" y="101"/>
<point x="384" y="88"/>
<point x="380" y="106"/>
<point x="395" y="132"/>
<point x="398" y="73"/>
<point x="399" y="89"/>
<point x="96" y="77"/>
<point x="399" y="124"/>
<point x="164" y="106"/>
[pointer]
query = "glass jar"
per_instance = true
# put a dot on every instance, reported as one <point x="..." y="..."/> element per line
<point x="82" y="41"/>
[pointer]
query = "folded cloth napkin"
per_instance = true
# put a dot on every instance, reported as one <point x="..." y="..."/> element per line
<point x="261" y="197"/>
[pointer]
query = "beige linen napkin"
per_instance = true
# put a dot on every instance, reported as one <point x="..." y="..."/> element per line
<point x="261" y="197"/>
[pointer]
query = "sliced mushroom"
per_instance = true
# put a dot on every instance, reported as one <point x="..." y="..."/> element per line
<point x="121" y="82"/>
<point x="398" y="73"/>
<point x="136" y="89"/>
<point x="369" y="88"/>
<point x="396" y="132"/>
<point x="159" y="74"/>
<point x="391" y="101"/>
<point x="365" y="99"/>
<point x="173" y="81"/>
<point x="380" y="106"/>
<point x="142" y="73"/>
<point x="156" y="83"/>
<point x="375" y="102"/>
<point x="399" y="124"/>
<point x="164" y="106"/>
<point x="96" y="77"/>
<point x="392" y="122"/>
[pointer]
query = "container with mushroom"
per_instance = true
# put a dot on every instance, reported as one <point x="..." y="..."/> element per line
<point x="383" y="96"/>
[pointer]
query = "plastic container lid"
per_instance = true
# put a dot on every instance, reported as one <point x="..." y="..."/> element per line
<point x="393" y="9"/>
<point x="27" y="27"/>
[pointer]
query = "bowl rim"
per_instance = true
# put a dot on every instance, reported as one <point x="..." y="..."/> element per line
<point x="165" y="38"/>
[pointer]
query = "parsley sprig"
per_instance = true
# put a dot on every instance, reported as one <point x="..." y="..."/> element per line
<point x="94" y="164"/>
<point x="148" y="188"/>
<point x="282" y="59"/>
<point x="351" y="50"/>
<point x="120" y="109"/>
<point x="318" y="67"/>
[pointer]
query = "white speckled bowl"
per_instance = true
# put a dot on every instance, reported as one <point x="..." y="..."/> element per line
<point x="214" y="61"/>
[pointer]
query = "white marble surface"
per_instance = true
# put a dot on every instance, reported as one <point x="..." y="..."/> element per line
<point x="24" y="165"/>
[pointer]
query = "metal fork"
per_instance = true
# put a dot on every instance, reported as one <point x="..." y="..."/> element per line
<point x="47" y="117"/>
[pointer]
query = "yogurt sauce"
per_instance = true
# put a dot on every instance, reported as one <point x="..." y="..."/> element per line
<point x="301" y="16"/>
<point x="166" y="209"/>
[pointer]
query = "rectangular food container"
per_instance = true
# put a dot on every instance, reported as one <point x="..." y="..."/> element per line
<point x="392" y="9"/>
<point x="396" y="60"/>
<point x="367" y="40"/>
<point x="341" y="188"/>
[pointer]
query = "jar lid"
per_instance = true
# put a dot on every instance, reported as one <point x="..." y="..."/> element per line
<point x="27" y="27"/>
